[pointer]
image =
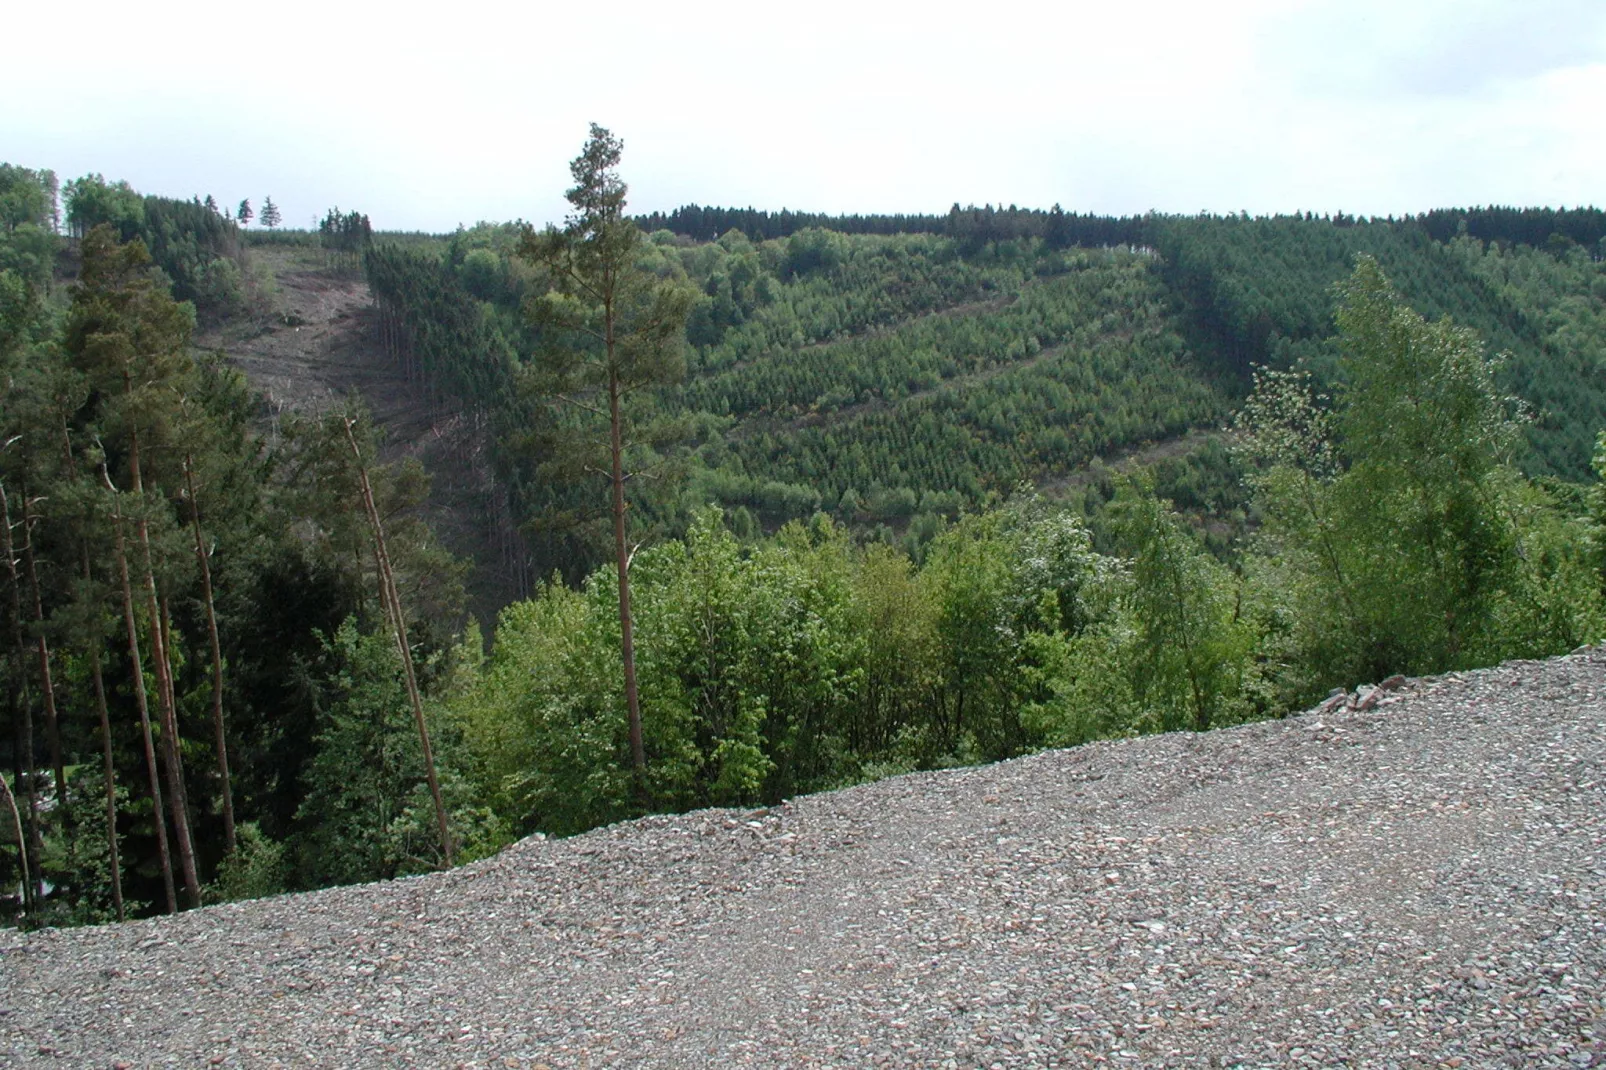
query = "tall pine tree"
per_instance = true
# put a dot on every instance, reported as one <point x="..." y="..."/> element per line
<point x="618" y="330"/>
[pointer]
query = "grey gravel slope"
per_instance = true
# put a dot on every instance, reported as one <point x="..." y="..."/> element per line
<point x="1418" y="884"/>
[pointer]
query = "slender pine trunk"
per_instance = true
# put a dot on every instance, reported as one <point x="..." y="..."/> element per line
<point x="26" y="779"/>
<point x="627" y="637"/>
<point x="391" y="600"/>
<point x="221" y="735"/>
<point x="172" y="760"/>
<point x="46" y="681"/>
<point x="113" y="854"/>
<point x="141" y="700"/>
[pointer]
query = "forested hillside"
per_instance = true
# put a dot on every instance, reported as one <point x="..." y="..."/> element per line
<point x="891" y="379"/>
<point x="847" y="495"/>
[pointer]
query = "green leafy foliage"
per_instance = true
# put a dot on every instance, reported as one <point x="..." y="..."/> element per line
<point x="256" y="868"/>
<point x="1597" y="511"/>
<point x="1395" y="527"/>
<point x="1193" y="664"/>
<point x="366" y="813"/>
<point x="849" y="581"/>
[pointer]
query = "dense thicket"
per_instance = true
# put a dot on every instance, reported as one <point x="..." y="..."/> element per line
<point x="834" y="569"/>
<point x="189" y="612"/>
<point x="199" y="249"/>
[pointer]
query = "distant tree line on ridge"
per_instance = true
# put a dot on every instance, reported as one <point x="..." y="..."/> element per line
<point x="1517" y="226"/>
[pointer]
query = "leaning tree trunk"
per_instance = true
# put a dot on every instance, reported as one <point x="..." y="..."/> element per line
<point x="22" y="841"/>
<point x="177" y="798"/>
<point x="141" y="700"/>
<point x="217" y="657"/>
<point x="393" y="609"/>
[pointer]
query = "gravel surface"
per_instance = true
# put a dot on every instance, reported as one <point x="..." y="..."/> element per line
<point x="1418" y="883"/>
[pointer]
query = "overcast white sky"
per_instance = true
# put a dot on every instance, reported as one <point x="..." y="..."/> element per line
<point x="430" y="115"/>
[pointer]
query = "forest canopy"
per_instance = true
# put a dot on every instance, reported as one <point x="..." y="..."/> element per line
<point x="903" y="492"/>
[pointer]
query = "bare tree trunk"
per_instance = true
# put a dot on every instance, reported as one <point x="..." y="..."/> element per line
<point x="139" y="694"/>
<point x="46" y="682"/>
<point x="165" y="618"/>
<point x="627" y="639"/>
<point x="113" y="855"/>
<point x="393" y="610"/>
<point x="22" y="841"/>
<point x="177" y="798"/>
<point x="204" y="558"/>
<point x="26" y="780"/>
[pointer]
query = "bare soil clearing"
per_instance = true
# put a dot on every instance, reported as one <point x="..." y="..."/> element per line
<point x="1419" y="884"/>
<point x="319" y="349"/>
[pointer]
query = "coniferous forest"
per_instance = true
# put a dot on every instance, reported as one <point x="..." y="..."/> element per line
<point x="777" y="503"/>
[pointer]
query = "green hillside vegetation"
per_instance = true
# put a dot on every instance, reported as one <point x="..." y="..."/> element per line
<point x="914" y="491"/>
<point x="1259" y="292"/>
<point x="878" y="378"/>
<point x="894" y="379"/>
<point x="1395" y="536"/>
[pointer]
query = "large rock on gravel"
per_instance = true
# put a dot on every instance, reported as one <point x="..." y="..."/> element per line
<point x="1419" y="883"/>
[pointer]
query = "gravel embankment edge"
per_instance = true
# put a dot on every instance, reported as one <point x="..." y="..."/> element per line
<point x="1418" y="883"/>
